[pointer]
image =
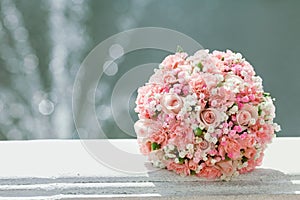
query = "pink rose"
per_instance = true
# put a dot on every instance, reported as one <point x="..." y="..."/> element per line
<point x="171" y="103"/>
<point x="210" y="117"/>
<point x="145" y="127"/>
<point x="210" y="172"/>
<point x="247" y="113"/>
<point x="226" y="167"/>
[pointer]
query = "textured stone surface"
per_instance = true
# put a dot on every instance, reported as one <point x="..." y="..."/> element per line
<point x="57" y="169"/>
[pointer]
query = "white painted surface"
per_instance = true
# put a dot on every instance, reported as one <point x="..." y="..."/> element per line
<point x="56" y="169"/>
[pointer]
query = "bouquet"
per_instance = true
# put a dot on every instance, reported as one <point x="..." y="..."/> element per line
<point x="205" y="115"/>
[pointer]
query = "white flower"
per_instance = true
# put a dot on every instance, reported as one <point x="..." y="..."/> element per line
<point x="157" y="96"/>
<point x="158" y="107"/>
<point x="194" y="126"/>
<point x="244" y="73"/>
<point x="169" y="155"/>
<point x="190" y="146"/>
<point x="262" y="122"/>
<point x="207" y="136"/>
<point x="197" y="108"/>
<point x="213" y="161"/>
<point x="171" y="147"/>
<point x="198" y="140"/>
<point x="214" y="140"/>
<point x="233" y="110"/>
<point x="182" y="154"/>
<point x="210" y="129"/>
<point x="214" y="91"/>
<point x="277" y="127"/>
<point x="198" y="169"/>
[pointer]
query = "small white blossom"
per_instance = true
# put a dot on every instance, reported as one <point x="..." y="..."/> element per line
<point x="261" y="121"/>
<point x="194" y="126"/>
<point x="202" y="96"/>
<point x="158" y="107"/>
<point x="277" y="127"/>
<point x="234" y="109"/>
<point x="198" y="169"/>
<point x="210" y="129"/>
<point x="157" y="96"/>
<point x="214" y="140"/>
<point x="244" y="73"/>
<point x="214" y="91"/>
<point x="252" y="121"/>
<point x="171" y="147"/>
<point x="182" y="154"/>
<point x="207" y="136"/>
<point x="201" y="126"/>
<point x="214" y="103"/>
<point x="213" y="161"/>
<point x="169" y="155"/>
<point x="190" y="146"/>
<point x="198" y="140"/>
<point x="197" y="108"/>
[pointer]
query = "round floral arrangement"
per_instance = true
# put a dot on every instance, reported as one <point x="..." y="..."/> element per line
<point x="205" y="115"/>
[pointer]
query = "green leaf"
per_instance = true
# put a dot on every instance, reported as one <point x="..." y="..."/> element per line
<point x="266" y="94"/>
<point x="155" y="146"/>
<point x="198" y="132"/>
<point x="156" y="114"/>
<point x="259" y="111"/>
<point x="200" y="66"/>
<point x="226" y="157"/>
<point x="181" y="160"/>
<point x="244" y="159"/>
<point x="179" y="49"/>
<point x="193" y="172"/>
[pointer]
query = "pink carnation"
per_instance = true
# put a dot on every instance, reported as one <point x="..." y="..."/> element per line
<point x="182" y="169"/>
<point x="210" y="172"/>
<point x="230" y="147"/>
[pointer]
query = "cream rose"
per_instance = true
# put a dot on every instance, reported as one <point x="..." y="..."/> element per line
<point x="171" y="103"/>
<point x="226" y="167"/>
<point x="246" y="115"/>
<point x="145" y="127"/>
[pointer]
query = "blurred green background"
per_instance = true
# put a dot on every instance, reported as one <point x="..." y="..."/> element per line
<point x="43" y="42"/>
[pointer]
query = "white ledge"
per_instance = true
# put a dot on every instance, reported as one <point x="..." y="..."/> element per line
<point x="55" y="169"/>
